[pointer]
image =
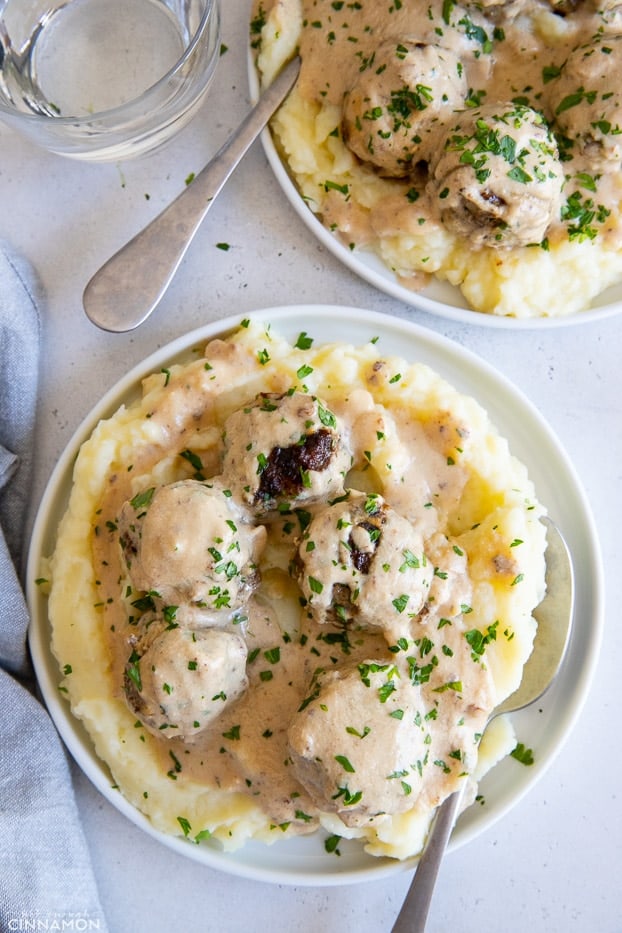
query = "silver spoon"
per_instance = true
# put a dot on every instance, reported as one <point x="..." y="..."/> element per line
<point x="127" y="288"/>
<point x="554" y="617"/>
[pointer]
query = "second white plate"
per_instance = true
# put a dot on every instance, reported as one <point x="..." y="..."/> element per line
<point x="438" y="298"/>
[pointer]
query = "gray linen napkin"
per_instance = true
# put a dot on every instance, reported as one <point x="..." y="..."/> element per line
<point x="46" y="877"/>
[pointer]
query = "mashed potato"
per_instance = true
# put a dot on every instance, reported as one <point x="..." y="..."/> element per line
<point x="426" y="466"/>
<point x="389" y="161"/>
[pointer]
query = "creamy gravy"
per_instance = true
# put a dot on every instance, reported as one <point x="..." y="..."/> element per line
<point x="435" y="679"/>
<point x="509" y="52"/>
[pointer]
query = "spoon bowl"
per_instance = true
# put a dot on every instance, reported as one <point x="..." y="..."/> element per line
<point x="554" y="616"/>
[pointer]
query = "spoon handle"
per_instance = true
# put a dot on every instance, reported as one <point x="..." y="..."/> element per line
<point x="414" y="913"/>
<point x="124" y="292"/>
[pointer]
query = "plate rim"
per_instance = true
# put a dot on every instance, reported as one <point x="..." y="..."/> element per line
<point x="306" y="315"/>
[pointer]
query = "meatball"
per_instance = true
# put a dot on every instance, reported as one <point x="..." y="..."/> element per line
<point x="361" y="562"/>
<point x="497" y="180"/>
<point x="350" y="753"/>
<point x="185" y="543"/>
<point x="283" y="451"/>
<point x="586" y="102"/>
<point x="393" y="114"/>
<point x="178" y="681"/>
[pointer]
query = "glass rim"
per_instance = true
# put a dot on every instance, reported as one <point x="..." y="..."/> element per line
<point x="97" y="116"/>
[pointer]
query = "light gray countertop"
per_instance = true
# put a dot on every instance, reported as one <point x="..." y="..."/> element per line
<point x="552" y="864"/>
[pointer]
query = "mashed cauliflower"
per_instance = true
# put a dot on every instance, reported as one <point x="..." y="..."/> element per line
<point x="437" y="522"/>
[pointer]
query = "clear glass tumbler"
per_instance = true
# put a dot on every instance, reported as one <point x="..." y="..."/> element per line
<point x="105" y="79"/>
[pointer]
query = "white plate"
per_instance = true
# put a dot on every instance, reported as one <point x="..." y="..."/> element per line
<point x="438" y="298"/>
<point x="303" y="860"/>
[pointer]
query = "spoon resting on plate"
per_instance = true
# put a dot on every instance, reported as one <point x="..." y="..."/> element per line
<point x="554" y="616"/>
<point x="127" y="288"/>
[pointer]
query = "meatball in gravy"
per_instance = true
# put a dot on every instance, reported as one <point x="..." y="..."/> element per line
<point x="331" y="742"/>
<point x="179" y="680"/>
<point x="498" y="178"/>
<point x="361" y="562"/>
<point x="586" y="101"/>
<point x="282" y="451"/>
<point x="186" y="543"/>
<point x="392" y="115"/>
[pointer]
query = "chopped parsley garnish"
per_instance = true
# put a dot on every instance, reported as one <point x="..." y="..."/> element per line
<point x="523" y="754"/>
<point x="142" y="499"/>
<point x="304" y="342"/>
<point x="331" y="845"/>
<point x="345" y="763"/>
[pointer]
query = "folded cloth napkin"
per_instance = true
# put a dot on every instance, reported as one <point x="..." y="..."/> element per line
<point x="46" y="876"/>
